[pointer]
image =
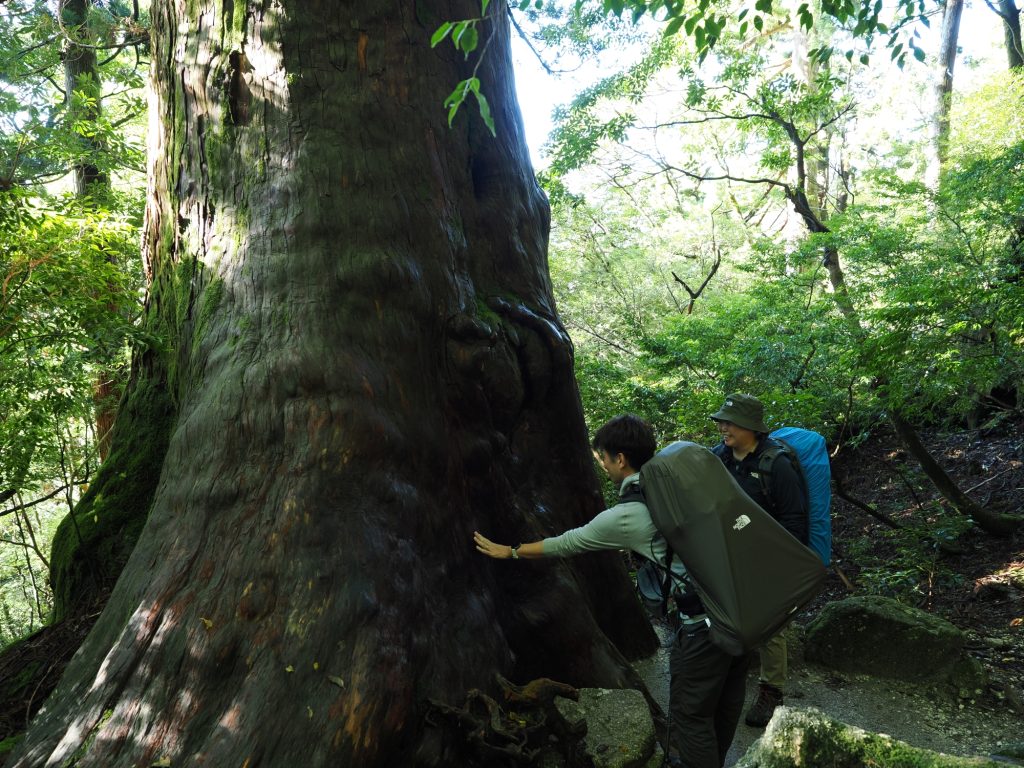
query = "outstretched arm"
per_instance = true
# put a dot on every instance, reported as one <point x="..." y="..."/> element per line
<point x="529" y="551"/>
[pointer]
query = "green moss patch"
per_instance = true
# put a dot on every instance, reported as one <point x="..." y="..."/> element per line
<point x="93" y="543"/>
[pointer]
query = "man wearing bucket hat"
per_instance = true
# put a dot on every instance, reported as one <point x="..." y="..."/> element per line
<point x="744" y="439"/>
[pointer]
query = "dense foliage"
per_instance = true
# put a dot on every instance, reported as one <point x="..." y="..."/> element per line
<point x="671" y="173"/>
<point x="70" y="276"/>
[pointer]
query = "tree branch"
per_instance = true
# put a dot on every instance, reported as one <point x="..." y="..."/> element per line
<point x="842" y="493"/>
<point x="694" y="295"/>
<point x="34" y="502"/>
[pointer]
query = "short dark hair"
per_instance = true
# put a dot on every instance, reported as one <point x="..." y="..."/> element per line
<point x="629" y="435"/>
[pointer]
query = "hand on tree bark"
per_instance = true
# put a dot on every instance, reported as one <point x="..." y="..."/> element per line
<point x="489" y="548"/>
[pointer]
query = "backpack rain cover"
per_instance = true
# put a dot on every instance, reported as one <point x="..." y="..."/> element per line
<point x="751" y="574"/>
<point x="812" y="454"/>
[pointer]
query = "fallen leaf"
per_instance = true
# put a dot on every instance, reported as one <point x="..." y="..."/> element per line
<point x="289" y="668"/>
<point x="336" y="680"/>
<point x="206" y="623"/>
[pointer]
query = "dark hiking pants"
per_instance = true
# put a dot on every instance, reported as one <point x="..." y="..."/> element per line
<point x="706" y="698"/>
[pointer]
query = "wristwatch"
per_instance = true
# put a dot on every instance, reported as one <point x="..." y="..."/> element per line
<point x="515" y="551"/>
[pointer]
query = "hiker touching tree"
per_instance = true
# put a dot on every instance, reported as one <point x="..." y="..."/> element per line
<point x="707" y="683"/>
<point x="745" y="443"/>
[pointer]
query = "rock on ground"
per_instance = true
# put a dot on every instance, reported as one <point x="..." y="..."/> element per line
<point x="882" y="637"/>
<point x="620" y="731"/>
<point x="807" y="738"/>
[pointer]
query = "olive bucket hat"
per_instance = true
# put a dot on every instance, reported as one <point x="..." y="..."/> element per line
<point x="742" y="410"/>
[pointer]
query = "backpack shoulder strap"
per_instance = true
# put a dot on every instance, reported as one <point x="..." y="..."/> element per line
<point x="776" y="447"/>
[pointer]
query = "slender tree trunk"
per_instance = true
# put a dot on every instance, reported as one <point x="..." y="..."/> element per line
<point x="83" y="91"/>
<point x="816" y="152"/>
<point x="1010" y="14"/>
<point x="991" y="522"/>
<point x="943" y="91"/>
<point x="367" y="366"/>
<point x="814" y="220"/>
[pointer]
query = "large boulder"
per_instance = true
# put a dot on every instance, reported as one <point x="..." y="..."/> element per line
<point x="807" y="738"/>
<point x="620" y="731"/>
<point x="882" y="637"/>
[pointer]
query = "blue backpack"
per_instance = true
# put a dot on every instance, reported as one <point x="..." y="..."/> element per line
<point x="809" y="456"/>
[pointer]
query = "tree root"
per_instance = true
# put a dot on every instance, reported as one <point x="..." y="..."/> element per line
<point x="514" y="733"/>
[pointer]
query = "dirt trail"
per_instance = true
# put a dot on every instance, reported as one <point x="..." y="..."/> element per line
<point x="909" y="712"/>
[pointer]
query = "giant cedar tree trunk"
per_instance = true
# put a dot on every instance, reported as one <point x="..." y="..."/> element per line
<point x="368" y="366"/>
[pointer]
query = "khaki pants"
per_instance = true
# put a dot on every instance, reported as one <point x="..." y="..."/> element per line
<point x="773" y="661"/>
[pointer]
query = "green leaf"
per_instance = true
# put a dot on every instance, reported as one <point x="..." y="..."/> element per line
<point x="919" y="54"/>
<point x="455" y="100"/>
<point x="485" y="111"/>
<point x="470" y="40"/>
<point x="758" y="23"/>
<point x="865" y="59"/>
<point x="441" y="33"/>
<point x="458" y="97"/>
<point x="483" y="7"/>
<point x="674" y="26"/>
<point x="457" y="32"/>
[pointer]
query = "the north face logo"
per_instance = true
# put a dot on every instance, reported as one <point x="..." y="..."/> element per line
<point x="741" y="522"/>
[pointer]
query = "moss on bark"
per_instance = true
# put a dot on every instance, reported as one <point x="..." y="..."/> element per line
<point x="93" y="542"/>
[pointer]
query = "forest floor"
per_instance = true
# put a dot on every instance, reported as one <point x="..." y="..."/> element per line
<point x="972" y="579"/>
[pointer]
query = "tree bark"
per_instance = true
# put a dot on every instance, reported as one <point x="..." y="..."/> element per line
<point x="1008" y="12"/>
<point x="366" y="365"/>
<point x="83" y="91"/>
<point x="943" y="91"/>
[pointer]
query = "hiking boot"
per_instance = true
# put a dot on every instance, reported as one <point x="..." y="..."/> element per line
<point x="768" y="698"/>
